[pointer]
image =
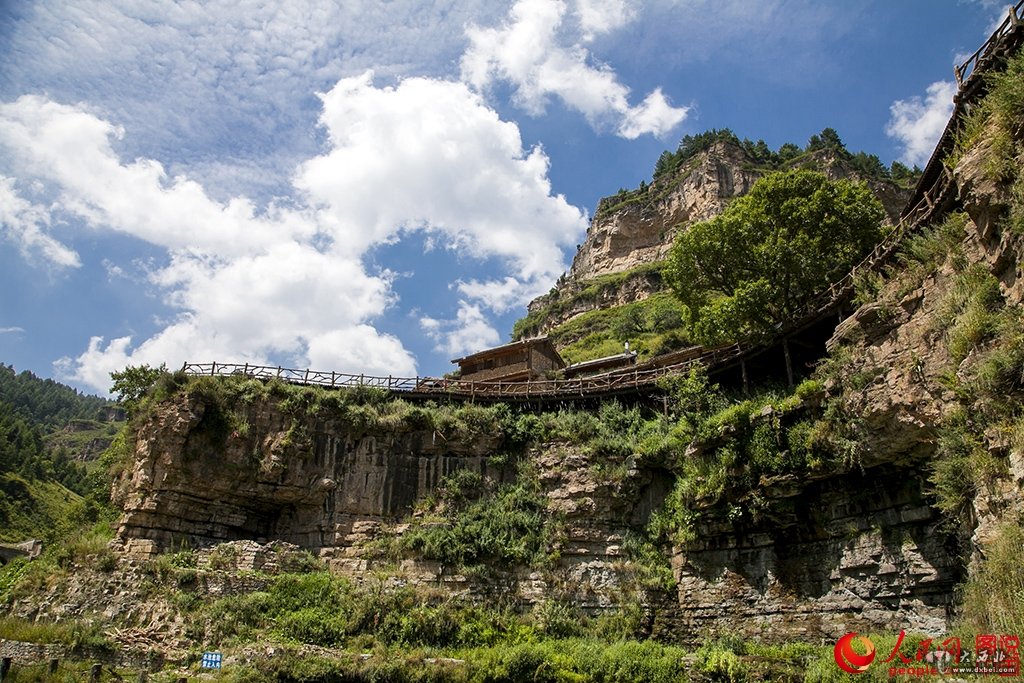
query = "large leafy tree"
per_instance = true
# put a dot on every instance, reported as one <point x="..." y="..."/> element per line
<point x="755" y="265"/>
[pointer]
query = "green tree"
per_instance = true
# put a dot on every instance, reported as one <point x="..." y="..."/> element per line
<point x="901" y="174"/>
<point x="828" y="139"/>
<point x="629" y="323"/>
<point x="788" y="152"/>
<point x="754" y="266"/>
<point x="869" y="165"/>
<point x="132" y="383"/>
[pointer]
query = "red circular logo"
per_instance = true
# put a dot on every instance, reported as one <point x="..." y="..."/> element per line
<point x="848" y="659"/>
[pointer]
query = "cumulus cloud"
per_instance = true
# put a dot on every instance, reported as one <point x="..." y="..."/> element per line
<point x="231" y="81"/>
<point x="25" y="224"/>
<point x="253" y="283"/>
<point x="430" y="155"/>
<point x="467" y="333"/>
<point x="527" y="50"/>
<point x="917" y="123"/>
<point x="601" y="16"/>
<point x="247" y="284"/>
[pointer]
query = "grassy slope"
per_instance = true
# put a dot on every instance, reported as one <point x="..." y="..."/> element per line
<point x="30" y="508"/>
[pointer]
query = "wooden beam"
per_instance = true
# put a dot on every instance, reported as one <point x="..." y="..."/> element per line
<point x="789" y="363"/>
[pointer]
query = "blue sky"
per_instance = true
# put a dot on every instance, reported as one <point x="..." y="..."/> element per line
<point x="381" y="187"/>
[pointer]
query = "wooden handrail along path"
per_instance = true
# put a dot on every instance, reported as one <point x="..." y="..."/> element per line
<point x="934" y="194"/>
<point x="608" y="384"/>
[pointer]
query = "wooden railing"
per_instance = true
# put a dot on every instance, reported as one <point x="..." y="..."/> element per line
<point x="608" y="383"/>
<point x="1014" y="18"/>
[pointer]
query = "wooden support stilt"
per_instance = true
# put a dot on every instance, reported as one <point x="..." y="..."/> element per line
<point x="789" y="363"/>
<point x="746" y="382"/>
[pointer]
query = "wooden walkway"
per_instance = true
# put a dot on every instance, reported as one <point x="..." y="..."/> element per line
<point x="934" y="196"/>
<point x="609" y="384"/>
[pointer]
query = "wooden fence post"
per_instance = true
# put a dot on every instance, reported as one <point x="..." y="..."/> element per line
<point x="789" y="364"/>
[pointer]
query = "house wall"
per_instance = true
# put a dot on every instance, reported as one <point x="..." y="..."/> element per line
<point x="496" y="373"/>
<point x="544" y="359"/>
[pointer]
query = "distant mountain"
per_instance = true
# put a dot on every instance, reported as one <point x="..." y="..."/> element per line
<point x="46" y="403"/>
<point x="49" y="436"/>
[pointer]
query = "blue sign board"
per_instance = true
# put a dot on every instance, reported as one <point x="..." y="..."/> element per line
<point x="211" y="660"/>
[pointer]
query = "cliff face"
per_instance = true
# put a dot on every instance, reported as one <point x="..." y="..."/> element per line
<point x="307" y="481"/>
<point x="847" y="549"/>
<point x="861" y="505"/>
<point x="637" y="228"/>
<point x="924" y="385"/>
<point x="863" y="551"/>
<point x="640" y="227"/>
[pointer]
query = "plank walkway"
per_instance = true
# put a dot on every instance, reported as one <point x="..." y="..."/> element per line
<point x="932" y="197"/>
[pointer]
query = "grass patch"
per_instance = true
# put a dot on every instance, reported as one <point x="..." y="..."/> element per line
<point x="993" y="597"/>
<point x="484" y="524"/>
<point x="72" y="633"/>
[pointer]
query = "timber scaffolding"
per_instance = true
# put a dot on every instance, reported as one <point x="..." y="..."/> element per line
<point x="934" y="196"/>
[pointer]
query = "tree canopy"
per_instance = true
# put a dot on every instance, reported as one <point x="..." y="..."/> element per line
<point x="752" y="267"/>
<point x="45" y="402"/>
<point x="132" y="383"/>
<point x="760" y="154"/>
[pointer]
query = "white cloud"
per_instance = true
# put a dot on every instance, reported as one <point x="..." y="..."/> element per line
<point x="654" y="115"/>
<point x="527" y="51"/>
<point x="11" y="330"/>
<point x="504" y="294"/>
<point x="235" y="77"/>
<point x="468" y="333"/>
<point x="602" y="16"/>
<point x="917" y="123"/>
<point x="430" y="155"/>
<point x="248" y="284"/>
<point x="56" y="141"/>
<point x="251" y="283"/>
<point x="23" y="223"/>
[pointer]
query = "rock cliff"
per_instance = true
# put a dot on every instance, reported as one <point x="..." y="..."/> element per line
<point x="305" y="480"/>
<point x="634" y="229"/>
<point x="924" y="386"/>
<point x="872" y="541"/>
<point x="638" y="227"/>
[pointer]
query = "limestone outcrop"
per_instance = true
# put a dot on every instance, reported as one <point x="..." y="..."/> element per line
<point x="810" y="554"/>
<point x="194" y="480"/>
<point x="637" y="228"/>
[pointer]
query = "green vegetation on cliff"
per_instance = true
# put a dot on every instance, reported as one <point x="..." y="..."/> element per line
<point x="725" y="274"/>
<point x="751" y="269"/>
<point x="787" y="156"/>
<point x="724" y="453"/>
